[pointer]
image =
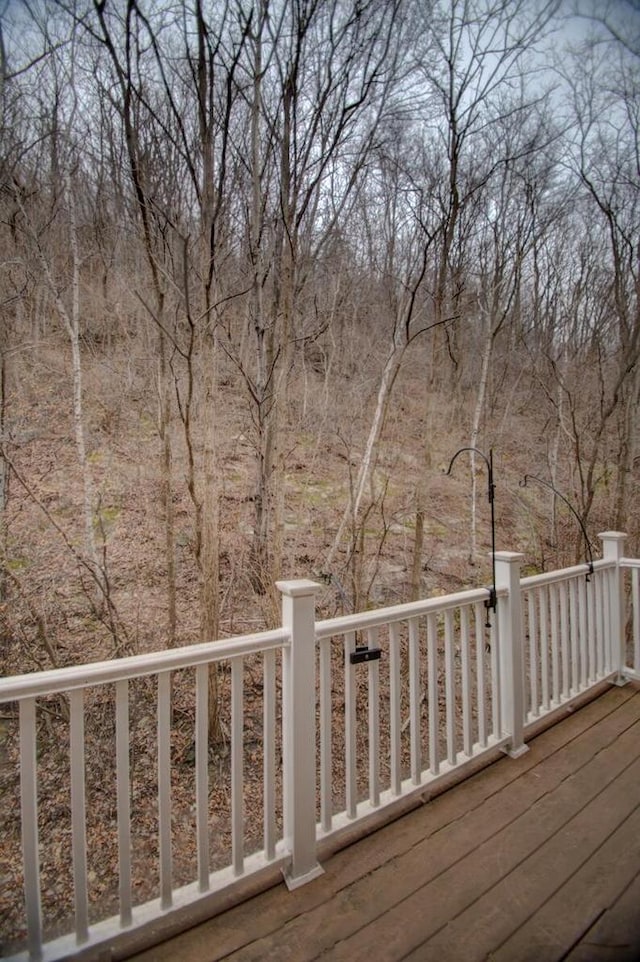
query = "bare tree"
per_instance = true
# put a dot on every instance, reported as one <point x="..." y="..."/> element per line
<point x="606" y="156"/>
<point x="476" y="56"/>
<point x="182" y="115"/>
<point x="402" y="233"/>
<point x="323" y="78"/>
<point x="518" y="208"/>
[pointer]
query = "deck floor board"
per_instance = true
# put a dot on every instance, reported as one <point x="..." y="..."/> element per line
<point x="530" y="860"/>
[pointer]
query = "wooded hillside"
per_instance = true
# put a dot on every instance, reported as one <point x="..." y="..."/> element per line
<point x="267" y="265"/>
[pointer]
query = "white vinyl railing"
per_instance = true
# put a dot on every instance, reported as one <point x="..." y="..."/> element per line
<point x="115" y="678"/>
<point x="630" y="626"/>
<point x="417" y="688"/>
<point x="363" y="710"/>
<point x="567" y="640"/>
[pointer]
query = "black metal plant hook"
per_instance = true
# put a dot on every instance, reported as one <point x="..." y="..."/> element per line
<point x="547" y="484"/>
<point x="492" y="600"/>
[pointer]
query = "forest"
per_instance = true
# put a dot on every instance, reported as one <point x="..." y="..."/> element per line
<point x="267" y="265"/>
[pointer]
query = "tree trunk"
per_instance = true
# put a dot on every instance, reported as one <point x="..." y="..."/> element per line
<point x="166" y="484"/>
<point x="387" y="380"/>
<point x="71" y="321"/>
<point x="73" y="328"/>
<point x="626" y="454"/>
<point x="415" y="590"/>
<point x="4" y="467"/>
<point x="475" y="433"/>
<point x="209" y="536"/>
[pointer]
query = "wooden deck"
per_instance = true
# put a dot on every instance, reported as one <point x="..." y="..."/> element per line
<point x="532" y="859"/>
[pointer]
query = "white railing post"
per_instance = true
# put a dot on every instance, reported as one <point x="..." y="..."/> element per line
<point x="299" y="731"/>
<point x="511" y="656"/>
<point x="612" y="550"/>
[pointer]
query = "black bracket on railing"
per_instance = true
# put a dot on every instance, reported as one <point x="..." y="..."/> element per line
<point x="492" y="601"/>
<point x="547" y="484"/>
<point x="364" y="654"/>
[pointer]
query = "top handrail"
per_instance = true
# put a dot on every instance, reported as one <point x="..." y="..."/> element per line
<point x="72" y="677"/>
<point x="564" y="574"/>
<point x="411" y="609"/>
